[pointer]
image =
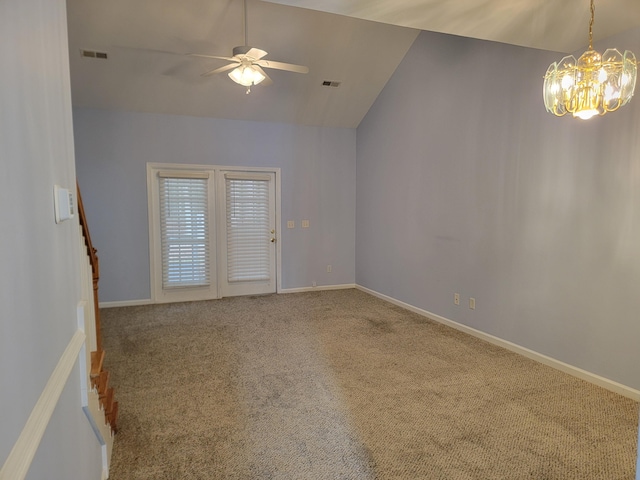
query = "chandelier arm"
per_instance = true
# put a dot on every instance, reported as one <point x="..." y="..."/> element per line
<point x="606" y="108"/>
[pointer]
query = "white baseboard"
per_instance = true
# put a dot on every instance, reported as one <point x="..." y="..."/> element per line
<point x="551" y="362"/>
<point x="318" y="288"/>
<point x="125" y="303"/>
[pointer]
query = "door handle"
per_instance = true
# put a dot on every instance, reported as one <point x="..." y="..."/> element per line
<point x="273" y="240"/>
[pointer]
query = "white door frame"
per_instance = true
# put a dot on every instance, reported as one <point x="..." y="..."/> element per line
<point x="215" y="171"/>
<point x="251" y="287"/>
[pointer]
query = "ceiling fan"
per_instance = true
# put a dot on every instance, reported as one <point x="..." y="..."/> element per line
<point x="248" y="63"/>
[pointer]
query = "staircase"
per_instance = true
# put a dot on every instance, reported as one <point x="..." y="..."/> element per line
<point x="99" y="376"/>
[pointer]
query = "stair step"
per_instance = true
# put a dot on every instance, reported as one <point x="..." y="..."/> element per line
<point x="97" y="360"/>
<point x="107" y="400"/>
<point x="102" y="383"/>
<point x="112" y="417"/>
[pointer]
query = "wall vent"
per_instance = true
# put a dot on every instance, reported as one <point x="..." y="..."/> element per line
<point x="329" y="83"/>
<point x="93" y="54"/>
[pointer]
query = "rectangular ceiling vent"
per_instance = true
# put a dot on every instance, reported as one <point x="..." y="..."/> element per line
<point x="329" y="83"/>
<point x="93" y="54"/>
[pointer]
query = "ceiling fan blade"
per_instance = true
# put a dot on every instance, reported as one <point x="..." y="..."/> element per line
<point x="289" y="67"/>
<point x="202" y="55"/>
<point x="267" y="80"/>
<point x="220" y="70"/>
<point x="255" y="53"/>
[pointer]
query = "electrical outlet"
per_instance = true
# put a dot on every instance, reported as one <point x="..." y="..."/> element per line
<point x="456" y="298"/>
<point x="328" y="268"/>
<point x="314" y="284"/>
<point x="305" y="223"/>
<point x="472" y="303"/>
<point x="291" y="224"/>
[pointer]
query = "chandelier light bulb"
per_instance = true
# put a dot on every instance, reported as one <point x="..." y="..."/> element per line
<point x="567" y="82"/>
<point x="625" y="79"/>
<point x="586" y="114"/>
<point x="602" y="75"/>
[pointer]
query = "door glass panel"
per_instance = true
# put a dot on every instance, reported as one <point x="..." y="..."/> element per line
<point x="184" y="232"/>
<point x="248" y="230"/>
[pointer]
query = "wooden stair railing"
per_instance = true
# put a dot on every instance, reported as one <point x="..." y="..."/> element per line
<point x="99" y="377"/>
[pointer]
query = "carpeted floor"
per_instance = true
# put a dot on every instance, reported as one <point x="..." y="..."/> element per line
<point x="341" y="385"/>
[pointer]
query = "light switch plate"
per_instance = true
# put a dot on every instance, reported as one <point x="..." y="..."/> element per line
<point x="63" y="203"/>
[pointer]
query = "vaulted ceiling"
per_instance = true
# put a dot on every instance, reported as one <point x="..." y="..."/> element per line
<point x="358" y="43"/>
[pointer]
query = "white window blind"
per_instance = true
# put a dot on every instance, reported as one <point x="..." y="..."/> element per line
<point x="248" y="229"/>
<point x="184" y="230"/>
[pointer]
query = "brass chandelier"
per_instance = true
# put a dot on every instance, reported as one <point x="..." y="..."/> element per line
<point x="593" y="85"/>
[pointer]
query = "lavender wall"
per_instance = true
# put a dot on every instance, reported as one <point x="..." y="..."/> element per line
<point x="465" y="184"/>
<point x="318" y="178"/>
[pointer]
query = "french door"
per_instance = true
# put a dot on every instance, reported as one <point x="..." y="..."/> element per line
<point x="248" y="247"/>
<point x="212" y="231"/>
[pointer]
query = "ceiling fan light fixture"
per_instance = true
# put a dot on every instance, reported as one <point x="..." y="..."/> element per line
<point x="593" y="85"/>
<point x="246" y="75"/>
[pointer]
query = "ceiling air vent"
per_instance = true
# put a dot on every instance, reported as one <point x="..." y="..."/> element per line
<point x="93" y="54"/>
<point x="329" y="83"/>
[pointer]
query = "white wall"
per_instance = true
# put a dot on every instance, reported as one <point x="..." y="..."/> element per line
<point x="318" y="175"/>
<point x="39" y="278"/>
<point x="465" y="184"/>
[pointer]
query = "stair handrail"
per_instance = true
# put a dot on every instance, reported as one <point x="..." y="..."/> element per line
<point x="95" y="265"/>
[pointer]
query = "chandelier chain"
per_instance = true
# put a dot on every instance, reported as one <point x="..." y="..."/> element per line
<point x="593" y="13"/>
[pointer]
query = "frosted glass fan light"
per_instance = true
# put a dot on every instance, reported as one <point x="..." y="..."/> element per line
<point x="246" y="76"/>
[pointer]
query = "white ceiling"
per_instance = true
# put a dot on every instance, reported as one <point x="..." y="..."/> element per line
<point x="556" y="25"/>
<point x="358" y="43"/>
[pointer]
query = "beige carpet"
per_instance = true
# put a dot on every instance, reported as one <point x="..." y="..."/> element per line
<point x="341" y="385"/>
